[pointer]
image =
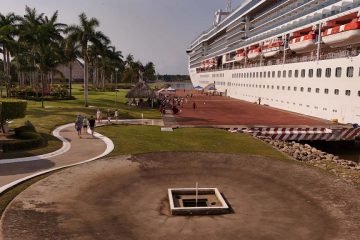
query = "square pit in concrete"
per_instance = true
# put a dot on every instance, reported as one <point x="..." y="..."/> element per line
<point x="208" y="201"/>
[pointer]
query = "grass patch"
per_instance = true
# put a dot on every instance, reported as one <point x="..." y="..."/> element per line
<point x="144" y="139"/>
<point x="60" y="112"/>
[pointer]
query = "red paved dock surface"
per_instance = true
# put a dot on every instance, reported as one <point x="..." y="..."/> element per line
<point x="217" y="110"/>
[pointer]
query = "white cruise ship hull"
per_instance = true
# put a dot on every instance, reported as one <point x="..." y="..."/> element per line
<point x="285" y="92"/>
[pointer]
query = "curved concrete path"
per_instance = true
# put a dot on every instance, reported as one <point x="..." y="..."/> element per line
<point x="74" y="150"/>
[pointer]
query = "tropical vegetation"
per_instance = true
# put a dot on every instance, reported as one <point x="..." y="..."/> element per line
<point x="33" y="47"/>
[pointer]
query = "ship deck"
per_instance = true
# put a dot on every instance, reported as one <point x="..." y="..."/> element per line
<point x="225" y="112"/>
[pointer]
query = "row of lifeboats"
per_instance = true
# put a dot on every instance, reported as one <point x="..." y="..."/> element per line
<point x="344" y="31"/>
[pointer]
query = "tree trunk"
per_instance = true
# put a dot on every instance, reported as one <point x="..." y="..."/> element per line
<point x="70" y="79"/>
<point x="42" y="89"/>
<point x="8" y="74"/>
<point x="86" y="83"/>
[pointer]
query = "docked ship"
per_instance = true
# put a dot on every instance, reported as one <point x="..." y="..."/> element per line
<point x="297" y="55"/>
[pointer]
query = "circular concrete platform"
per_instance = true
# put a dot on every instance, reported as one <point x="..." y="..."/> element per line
<point x="126" y="198"/>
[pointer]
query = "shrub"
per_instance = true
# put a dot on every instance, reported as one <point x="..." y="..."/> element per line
<point x="22" y="129"/>
<point x="11" y="109"/>
<point x="27" y="140"/>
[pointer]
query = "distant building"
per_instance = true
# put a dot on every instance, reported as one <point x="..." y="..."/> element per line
<point x="77" y="71"/>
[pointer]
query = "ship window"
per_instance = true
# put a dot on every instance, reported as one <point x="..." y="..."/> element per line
<point x="279" y="74"/>
<point x="283" y="87"/>
<point x="302" y="73"/>
<point x="317" y="90"/>
<point x="260" y="74"/>
<point x="318" y="72"/>
<point x="278" y="87"/>
<point x="309" y="89"/>
<point x="347" y="92"/>
<point x="326" y="91"/>
<point x="295" y="89"/>
<point x="350" y="71"/>
<point x="296" y="73"/>
<point x="328" y="72"/>
<point x="257" y="74"/>
<point x="290" y="73"/>
<point x="269" y="74"/>
<point x="311" y="73"/>
<point x="268" y="86"/>
<point x="272" y="87"/>
<point x="336" y="91"/>
<point x="338" y="72"/>
<point x="301" y="89"/>
<point x="273" y="74"/>
<point x="284" y="74"/>
<point x="263" y="86"/>
<point x="264" y="74"/>
<point x="289" y="88"/>
<point x="359" y="93"/>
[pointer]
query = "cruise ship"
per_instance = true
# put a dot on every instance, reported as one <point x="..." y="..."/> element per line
<point x="297" y="55"/>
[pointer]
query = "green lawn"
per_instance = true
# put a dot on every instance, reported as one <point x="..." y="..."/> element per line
<point x="58" y="113"/>
<point x="143" y="139"/>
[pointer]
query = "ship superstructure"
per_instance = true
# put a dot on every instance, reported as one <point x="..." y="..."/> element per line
<point x="297" y="55"/>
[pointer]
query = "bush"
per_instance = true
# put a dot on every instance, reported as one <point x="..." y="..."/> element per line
<point x="27" y="140"/>
<point x="22" y="129"/>
<point x="11" y="109"/>
<point x="56" y="92"/>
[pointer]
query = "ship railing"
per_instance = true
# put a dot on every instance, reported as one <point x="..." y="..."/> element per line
<point x="323" y="56"/>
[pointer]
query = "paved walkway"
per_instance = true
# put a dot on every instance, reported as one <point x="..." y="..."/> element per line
<point x="74" y="150"/>
<point x="219" y="111"/>
<point x="80" y="150"/>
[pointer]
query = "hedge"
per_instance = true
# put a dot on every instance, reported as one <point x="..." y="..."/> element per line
<point x="12" y="109"/>
<point x="27" y="140"/>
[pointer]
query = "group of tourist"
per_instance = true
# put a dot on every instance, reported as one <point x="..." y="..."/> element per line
<point x="174" y="103"/>
<point x="83" y="123"/>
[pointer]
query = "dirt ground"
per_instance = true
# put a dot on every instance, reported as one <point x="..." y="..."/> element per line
<point x="217" y="110"/>
<point x="126" y="198"/>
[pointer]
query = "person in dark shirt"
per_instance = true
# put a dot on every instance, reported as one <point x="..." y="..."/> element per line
<point x="92" y="125"/>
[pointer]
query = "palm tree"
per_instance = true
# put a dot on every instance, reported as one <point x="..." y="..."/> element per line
<point x="84" y="34"/>
<point x="71" y="53"/>
<point x="8" y="31"/>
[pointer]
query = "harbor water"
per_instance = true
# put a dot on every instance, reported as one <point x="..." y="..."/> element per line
<point x="182" y="85"/>
<point x="349" y="150"/>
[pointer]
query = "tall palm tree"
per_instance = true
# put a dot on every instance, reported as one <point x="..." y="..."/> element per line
<point x="8" y="31"/>
<point x="71" y="53"/>
<point x="84" y="34"/>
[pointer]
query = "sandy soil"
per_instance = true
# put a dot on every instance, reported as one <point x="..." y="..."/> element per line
<point x="126" y="198"/>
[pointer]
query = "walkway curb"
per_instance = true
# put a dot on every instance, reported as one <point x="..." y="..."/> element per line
<point x="109" y="149"/>
<point x="56" y="133"/>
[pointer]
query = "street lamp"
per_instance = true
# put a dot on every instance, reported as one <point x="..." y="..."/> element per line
<point x="116" y="82"/>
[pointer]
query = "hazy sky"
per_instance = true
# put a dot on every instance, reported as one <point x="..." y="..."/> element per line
<point x="152" y="30"/>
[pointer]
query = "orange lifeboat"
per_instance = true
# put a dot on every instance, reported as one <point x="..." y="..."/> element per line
<point x="240" y="55"/>
<point x="304" y="43"/>
<point x="342" y="35"/>
<point x="272" y="48"/>
<point x="254" y="53"/>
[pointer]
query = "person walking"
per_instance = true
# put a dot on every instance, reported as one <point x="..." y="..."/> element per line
<point x="92" y="123"/>
<point x="116" y="115"/>
<point x="194" y="106"/>
<point x="98" y="116"/>
<point x="85" y="124"/>
<point x="78" y="125"/>
<point x="108" y="116"/>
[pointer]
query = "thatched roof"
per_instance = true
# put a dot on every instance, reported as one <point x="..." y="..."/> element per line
<point x="141" y="90"/>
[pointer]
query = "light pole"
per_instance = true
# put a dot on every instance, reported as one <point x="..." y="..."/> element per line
<point x="116" y="82"/>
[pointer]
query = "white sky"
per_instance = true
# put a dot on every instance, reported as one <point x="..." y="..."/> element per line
<point x="152" y="30"/>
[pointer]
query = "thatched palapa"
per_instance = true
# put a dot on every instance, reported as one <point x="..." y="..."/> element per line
<point x="141" y="90"/>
